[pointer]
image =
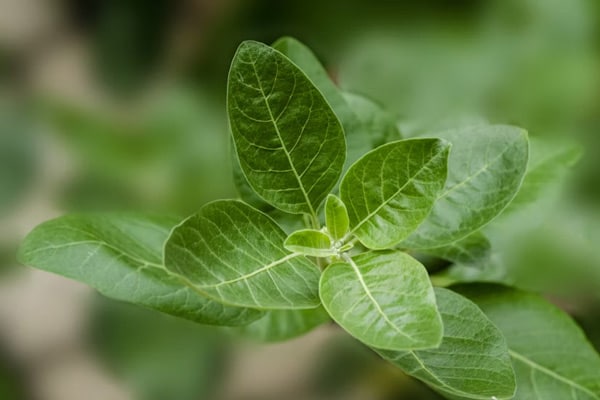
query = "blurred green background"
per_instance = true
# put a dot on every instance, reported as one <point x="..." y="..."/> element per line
<point x="120" y="104"/>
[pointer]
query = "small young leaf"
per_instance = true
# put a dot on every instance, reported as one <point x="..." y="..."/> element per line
<point x="471" y="363"/>
<point x="336" y="217"/>
<point x="551" y="356"/>
<point x="289" y="142"/>
<point x="280" y="325"/>
<point x="391" y="190"/>
<point x="357" y="142"/>
<point x="384" y="299"/>
<point x="234" y="254"/>
<point x="310" y="242"/>
<point x="120" y="256"/>
<point x="485" y="170"/>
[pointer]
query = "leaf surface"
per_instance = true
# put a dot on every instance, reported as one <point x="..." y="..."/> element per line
<point x="551" y="356"/>
<point x="471" y="250"/>
<point x="234" y="254"/>
<point x="384" y="299"/>
<point x="356" y="140"/>
<point x="391" y="190"/>
<point x="290" y="144"/>
<point x="120" y="255"/>
<point x="336" y="217"/>
<point x="485" y="170"/>
<point x="471" y="363"/>
<point x="309" y="242"/>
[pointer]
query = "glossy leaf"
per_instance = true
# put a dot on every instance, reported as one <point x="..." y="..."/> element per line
<point x="336" y="217"/>
<point x="310" y="242"/>
<point x="357" y="141"/>
<point x="551" y="356"/>
<point x="289" y="142"/>
<point x="384" y="299"/>
<point x="391" y="190"/>
<point x="120" y="256"/>
<point x="485" y="170"/>
<point x="279" y="325"/>
<point x="471" y="363"/>
<point x="471" y="250"/>
<point x="234" y="254"/>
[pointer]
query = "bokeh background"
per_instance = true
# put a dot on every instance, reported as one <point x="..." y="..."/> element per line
<point x="120" y="105"/>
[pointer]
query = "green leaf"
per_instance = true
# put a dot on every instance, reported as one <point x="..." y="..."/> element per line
<point x="121" y="256"/>
<point x="384" y="299"/>
<point x="471" y="363"/>
<point x="234" y="254"/>
<point x="336" y="217"/>
<point x="485" y="170"/>
<point x="549" y="162"/>
<point x="310" y="242"/>
<point x="391" y="190"/>
<point x="357" y="142"/>
<point x="551" y="356"/>
<point x="289" y="142"/>
<point x="377" y="124"/>
<point x="243" y="188"/>
<point x="470" y="250"/>
<point x="280" y="325"/>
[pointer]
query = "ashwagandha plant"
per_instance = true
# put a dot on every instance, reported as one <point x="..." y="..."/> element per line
<point x="304" y="247"/>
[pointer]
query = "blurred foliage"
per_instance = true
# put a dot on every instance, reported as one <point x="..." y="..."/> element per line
<point x="17" y="155"/>
<point x="12" y="382"/>
<point x="168" y="156"/>
<point x="161" y="357"/>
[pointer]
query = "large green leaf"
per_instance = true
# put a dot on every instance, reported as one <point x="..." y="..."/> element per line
<point x="391" y="190"/>
<point x="471" y="363"/>
<point x="551" y="356"/>
<point x="485" y="170"/>
<point x="384" y="299"/>
<point x="471" y="250"/>
<point x="549" y="162"/>
<point x="120" y="256"/>
<point x="357" y="139"/>
<point x="234" y="253"/>
<point x="289" y="142"/>
<point x="279" y="325"/>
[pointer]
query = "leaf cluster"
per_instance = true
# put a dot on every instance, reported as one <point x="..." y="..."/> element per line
<point x="338" y="213"/>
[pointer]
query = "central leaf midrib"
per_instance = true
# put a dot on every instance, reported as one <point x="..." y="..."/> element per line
<point x="283" y="146"/>
<point x="409" y="181"/>
<point x="551" y="373"/>
<point x="370" y="296"/>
